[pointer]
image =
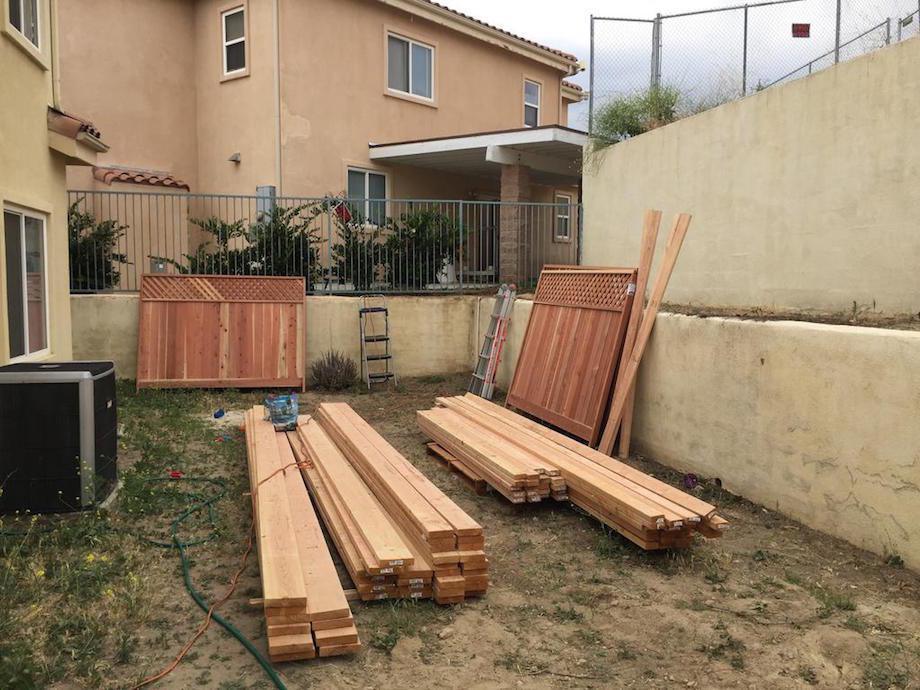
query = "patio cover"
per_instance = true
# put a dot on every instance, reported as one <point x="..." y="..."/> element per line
<point x="553" y="153"/>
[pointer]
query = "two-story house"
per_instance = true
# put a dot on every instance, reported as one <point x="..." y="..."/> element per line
<point x="37" y="142"/>
<point x="373" y="99"/>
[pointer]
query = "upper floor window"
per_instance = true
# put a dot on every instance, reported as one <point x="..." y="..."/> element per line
<point x="531" y="103"/>
<point x="24" y="17"/>
<point x="410" y="67"/>
<point x="234" y="28"/>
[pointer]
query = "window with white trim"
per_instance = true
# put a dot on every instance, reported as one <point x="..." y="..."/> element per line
<point x="563" y="224"/>
<point x="26" y="282"/>
<point x="367" y="193"/>
<point x="410" y="67"/>
<point x="531" y="103"/>
<point x="24" y="18"/>
<point x="233" y="23"/>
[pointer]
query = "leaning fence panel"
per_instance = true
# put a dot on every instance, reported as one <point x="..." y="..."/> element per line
<point x="340" y="245"/>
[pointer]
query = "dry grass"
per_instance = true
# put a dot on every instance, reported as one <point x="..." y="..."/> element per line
<point x="773" y="604"/>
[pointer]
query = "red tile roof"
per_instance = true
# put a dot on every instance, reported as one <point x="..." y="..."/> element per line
<point x="70" y="125"/>
<point x="571" y="85"/>
<point x="554" y="51"/>
<point x="147" y="177"/>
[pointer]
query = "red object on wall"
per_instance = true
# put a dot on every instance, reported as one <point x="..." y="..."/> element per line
<point x="801" y="30"/>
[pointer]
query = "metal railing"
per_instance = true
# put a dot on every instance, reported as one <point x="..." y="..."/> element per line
<point x="339" y="245"/>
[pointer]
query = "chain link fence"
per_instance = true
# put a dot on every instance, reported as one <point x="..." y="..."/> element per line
<point x="713" y="56"/>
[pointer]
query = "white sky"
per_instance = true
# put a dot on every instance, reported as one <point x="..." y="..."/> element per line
<point x="710" y="44"/>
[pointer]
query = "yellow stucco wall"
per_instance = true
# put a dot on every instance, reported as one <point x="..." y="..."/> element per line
<point x="804" y="196"/>
<point x="32" y="176"/>
<point x="815" y="421"/>
<point x="431" y="335"/>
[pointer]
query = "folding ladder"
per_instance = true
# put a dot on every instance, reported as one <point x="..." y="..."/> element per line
<point x="374" y="324"/>
<point x="483" y="381"/>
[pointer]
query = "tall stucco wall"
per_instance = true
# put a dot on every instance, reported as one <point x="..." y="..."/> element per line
<point x="818" y="422"/>
<point x="431" y="335"/>
<point x="804" y="196"/>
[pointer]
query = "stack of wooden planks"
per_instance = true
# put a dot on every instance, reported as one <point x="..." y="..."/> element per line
<point x="645" y="510"/>
<point x="305" y="607"/>
<point x="517" y="476"/>
<point x="436" y="531"/>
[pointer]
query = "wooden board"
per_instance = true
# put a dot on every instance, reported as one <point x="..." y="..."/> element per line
<point x="221" y="331"/>
<point x="571" y="347"/>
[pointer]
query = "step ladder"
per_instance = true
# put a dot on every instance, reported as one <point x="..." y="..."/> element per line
<point x="374" y="324"/>
<point x="483" y="381"/>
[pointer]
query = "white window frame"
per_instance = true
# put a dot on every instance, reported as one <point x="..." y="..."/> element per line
<point x="367" y="172"/>
<point x="533" y="105"/>
<point x="557" y="216"/>
<point x="410" y="42"/>
<point x="226" y="44"/>
<point x="38" y="23"/>
<point x="23" y="214"/>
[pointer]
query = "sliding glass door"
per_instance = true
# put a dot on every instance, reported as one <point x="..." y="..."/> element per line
<point x="26" y="282"/>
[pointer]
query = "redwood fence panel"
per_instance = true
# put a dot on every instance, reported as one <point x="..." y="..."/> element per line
<point x="221" y="332"/>
<point x="571" y="347"/>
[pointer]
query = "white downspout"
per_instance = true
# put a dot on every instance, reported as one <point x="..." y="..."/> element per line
<point x="276" y="19"/>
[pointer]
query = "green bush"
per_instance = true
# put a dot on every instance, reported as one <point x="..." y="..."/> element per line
<point x="629" y="116"/>
<point x="334" y="371"/>
<point x="92" y="250"/>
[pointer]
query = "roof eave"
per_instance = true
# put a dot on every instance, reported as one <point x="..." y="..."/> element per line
<point x="471" y="27"/>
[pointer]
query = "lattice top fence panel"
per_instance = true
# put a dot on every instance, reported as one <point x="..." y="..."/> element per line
<point x="604" y="289"/>
<point x="198" y="288"/>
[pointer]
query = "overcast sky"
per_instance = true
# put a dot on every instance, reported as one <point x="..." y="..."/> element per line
<point x="694" y="49"/>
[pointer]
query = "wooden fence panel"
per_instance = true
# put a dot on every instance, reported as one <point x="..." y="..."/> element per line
<point x="221" y="332"/>
<point x="571" y="347"/>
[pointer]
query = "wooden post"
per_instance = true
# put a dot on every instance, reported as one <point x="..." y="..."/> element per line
<point x="627" y="378"/>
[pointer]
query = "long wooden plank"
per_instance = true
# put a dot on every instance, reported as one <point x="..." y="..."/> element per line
<point x="627" y="377"/>
<point x="646" y="254"/>
<point x="673" y="494"/>
<point x="462" y="523"/>
<point x="325" y="596"/>
<point x="279" y="564"/>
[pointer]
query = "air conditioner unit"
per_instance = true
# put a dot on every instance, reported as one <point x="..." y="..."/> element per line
<point x="58" y="436"/>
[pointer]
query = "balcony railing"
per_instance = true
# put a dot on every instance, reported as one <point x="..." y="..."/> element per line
<point x="339" y="245"/>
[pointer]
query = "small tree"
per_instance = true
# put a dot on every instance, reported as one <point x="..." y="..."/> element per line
<point x="92" y="250"/>
<point x="420" y="245"/>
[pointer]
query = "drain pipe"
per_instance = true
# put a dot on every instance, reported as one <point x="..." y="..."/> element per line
<point x="276" y="11"/>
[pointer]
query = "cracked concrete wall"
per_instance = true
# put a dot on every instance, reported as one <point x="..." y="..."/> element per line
<point x="817" y="422"/>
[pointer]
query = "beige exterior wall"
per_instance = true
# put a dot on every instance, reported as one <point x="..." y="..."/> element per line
<point x="32" y="175"/>
<point x="431" y="335"/>
<point x="149" y="74"/>
<point x="804" y="196"/>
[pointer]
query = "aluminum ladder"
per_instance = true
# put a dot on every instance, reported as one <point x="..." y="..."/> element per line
<point x="374" y="325"/>
<point x="482" y="382"/>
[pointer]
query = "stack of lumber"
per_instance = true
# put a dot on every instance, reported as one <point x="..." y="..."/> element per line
<point x="516" y="475"/>
<point x="647" y="511"/>
<point x="305" y="607"/>
<point x="436" y="530"/>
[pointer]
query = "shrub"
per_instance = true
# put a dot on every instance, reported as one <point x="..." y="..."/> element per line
<point x="629" y="116"/>
<point x="92" y="255"/>
<point x="334" y="371"/>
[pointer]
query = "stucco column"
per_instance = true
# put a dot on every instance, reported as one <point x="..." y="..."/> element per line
<point x="515" y="188"/>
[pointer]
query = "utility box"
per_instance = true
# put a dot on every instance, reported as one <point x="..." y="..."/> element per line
<point x="58" y="436"/>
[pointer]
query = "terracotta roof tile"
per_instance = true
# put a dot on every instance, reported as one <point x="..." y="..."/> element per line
<point x="572" y="85"/>
<point x="554" y="51"/>
<point x="70" y="125"/>
<point x="147" y="177"/>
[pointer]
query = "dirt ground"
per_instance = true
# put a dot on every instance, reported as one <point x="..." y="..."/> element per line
<point x="771" y="605"/>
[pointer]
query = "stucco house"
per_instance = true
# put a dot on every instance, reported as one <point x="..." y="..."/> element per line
<point x="37" y="142"/>
<point x="373" y="99"/>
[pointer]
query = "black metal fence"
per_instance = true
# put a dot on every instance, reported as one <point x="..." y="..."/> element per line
<point x="339" y="245"/>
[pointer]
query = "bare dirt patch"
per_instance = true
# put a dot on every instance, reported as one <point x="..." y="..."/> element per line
<point x="773" y="604"/>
